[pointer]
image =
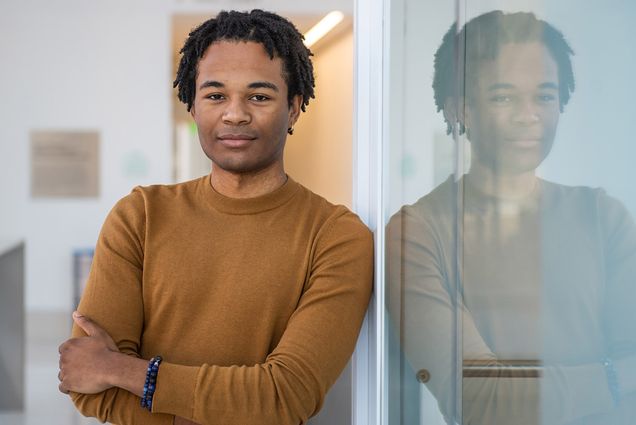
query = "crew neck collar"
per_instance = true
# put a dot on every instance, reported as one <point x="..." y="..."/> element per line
<point x="255" y="205"/>
<point x="475" y="198"/>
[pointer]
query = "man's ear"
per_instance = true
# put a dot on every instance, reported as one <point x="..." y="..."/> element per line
<point x="294" y="110"/>
<point x="192" y="111"/>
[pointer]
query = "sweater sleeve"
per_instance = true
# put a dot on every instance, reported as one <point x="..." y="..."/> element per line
<point x="113" y="299"/>
<point x="619" y="231"/>
<point x="290" y="385"/>
<point x="424" y="311"/>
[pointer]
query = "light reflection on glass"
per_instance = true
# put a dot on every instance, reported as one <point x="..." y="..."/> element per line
<point x="512" y="292"/>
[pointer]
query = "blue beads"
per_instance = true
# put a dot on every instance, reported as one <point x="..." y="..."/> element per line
<point x="149" y="385"/>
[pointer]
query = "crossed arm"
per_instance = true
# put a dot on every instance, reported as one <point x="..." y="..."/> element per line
<point x="286" y="388"/>
<point x="94" y="364"/>
<point x="423" y="310"/>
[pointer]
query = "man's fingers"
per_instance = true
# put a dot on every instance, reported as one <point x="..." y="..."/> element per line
<point x="91" y="328"/>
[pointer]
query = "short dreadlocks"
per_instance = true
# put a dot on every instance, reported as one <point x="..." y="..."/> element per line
<point x="279" y="37"/>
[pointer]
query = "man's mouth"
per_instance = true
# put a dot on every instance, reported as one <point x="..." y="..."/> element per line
<point x="236" y="140"/>
<point x="525" y="142"/>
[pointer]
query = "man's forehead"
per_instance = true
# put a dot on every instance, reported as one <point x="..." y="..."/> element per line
<point x="230" y="60"/>
<point x="237" y="49"/>
<point x="516" y="64"/>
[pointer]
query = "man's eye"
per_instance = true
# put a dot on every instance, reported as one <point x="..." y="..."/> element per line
<point x="546" y="98"/>
<point x="214" y="96"/>
<point x="259" y="98"/>
<point x="500" y="98"/>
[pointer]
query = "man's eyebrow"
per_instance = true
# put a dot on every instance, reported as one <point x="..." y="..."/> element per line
<point x="263" y="85"/>
<point x="499" y="86"/>
<point x="254" y="85"/>
<point x="209" y="83"/>
<point x="549" y="85"/>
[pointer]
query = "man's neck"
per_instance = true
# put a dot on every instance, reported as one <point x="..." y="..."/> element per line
<point x="247" y="185"/>
<point x="505" y="186"/>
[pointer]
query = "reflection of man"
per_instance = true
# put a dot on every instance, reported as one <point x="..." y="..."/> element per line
<point x="250" y="287"/>
<point x="525" y="272"/>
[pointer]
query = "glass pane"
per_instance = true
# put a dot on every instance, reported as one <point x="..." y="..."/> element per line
<point x="420" y="156"/>
<point x="511" y="241"/>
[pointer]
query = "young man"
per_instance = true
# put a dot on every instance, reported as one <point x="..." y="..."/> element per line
<point x="513" y="293"/>
<point x="250" y="287"/>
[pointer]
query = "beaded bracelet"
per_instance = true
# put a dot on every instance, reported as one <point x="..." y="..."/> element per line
<point x="151" y="382"/>
<point x="612" y="380"/>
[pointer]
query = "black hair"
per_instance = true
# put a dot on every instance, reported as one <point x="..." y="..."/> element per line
<point x="480" y="39"/>
<point x="278" y="36"/>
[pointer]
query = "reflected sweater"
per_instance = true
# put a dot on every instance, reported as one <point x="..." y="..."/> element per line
<point x="550" y="278"/>
<point x="254" y="304"/>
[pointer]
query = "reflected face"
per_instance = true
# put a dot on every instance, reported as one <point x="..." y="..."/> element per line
<point x="241" y="107"/>
<point x="512" y="111"/>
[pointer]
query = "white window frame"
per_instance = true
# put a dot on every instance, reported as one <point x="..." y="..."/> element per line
<point x="371" y="20"/>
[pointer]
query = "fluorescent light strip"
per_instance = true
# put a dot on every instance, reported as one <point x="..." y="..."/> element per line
<point x="321" y="29"/>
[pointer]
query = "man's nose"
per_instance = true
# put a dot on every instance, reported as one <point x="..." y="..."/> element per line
<point x="527" y="112"/>
<point x="236" y="113"/>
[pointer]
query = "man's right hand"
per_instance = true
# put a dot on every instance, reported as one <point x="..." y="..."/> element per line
<point x="82" y="360"/>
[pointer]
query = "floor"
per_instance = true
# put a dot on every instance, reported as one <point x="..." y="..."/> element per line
<point x="44" y="404"/>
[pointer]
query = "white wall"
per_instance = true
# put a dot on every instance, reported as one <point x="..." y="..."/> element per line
<point x="318" y="155"/>
<point x="78" y="65"/>
<point x="105" y="66"/>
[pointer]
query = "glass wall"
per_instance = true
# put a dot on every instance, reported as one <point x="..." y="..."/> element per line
<point x="508" y="242"/>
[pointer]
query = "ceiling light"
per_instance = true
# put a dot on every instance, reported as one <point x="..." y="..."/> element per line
<point x="325" y="25"/>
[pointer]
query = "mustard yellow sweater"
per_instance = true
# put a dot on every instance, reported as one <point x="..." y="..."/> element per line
<point x="254" y="304"/>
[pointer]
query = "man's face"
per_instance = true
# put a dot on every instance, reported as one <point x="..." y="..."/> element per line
<point x="241" y="107"/>
<point x="512" y="111"/>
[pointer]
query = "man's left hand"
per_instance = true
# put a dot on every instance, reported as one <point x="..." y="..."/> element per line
<point x="84" y="362"/>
